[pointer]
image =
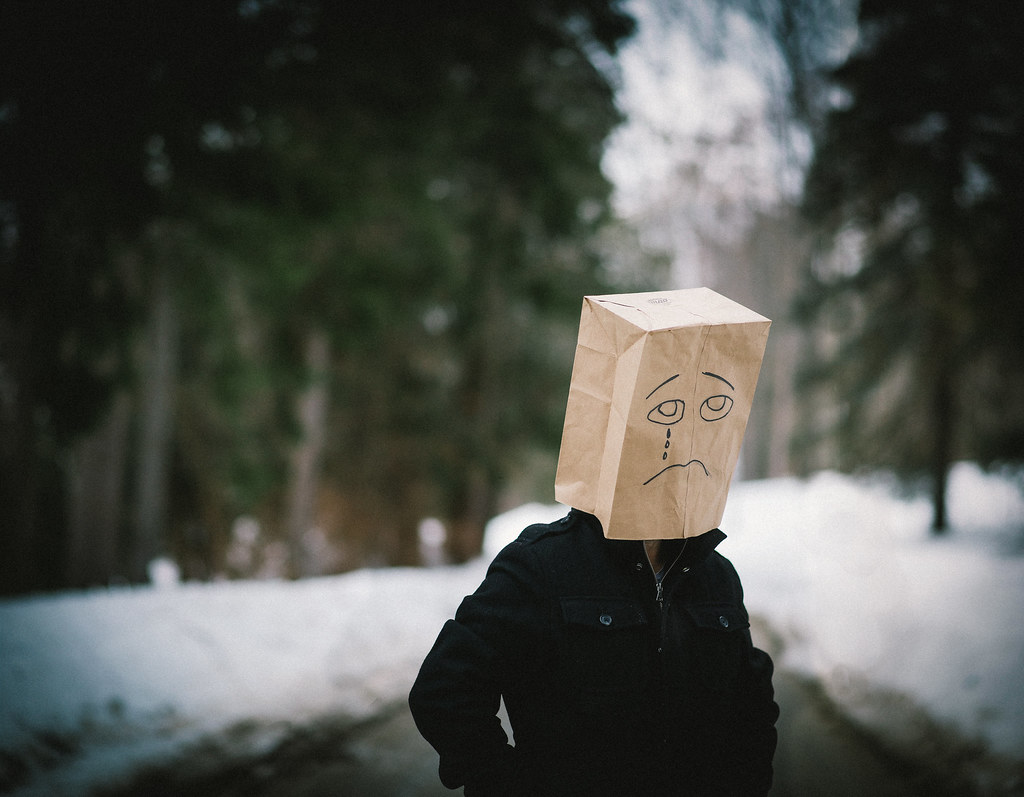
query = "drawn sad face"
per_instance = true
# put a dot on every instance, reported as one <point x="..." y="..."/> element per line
<point x="668" y="410"/>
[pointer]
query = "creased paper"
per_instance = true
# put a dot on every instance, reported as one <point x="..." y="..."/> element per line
<point x="661" y="390"/>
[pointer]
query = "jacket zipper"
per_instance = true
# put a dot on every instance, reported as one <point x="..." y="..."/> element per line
<point x="660" y="597"/>
<point x="658" y="582"/>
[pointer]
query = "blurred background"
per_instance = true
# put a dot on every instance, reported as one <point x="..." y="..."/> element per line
<point x="291" y="287"/>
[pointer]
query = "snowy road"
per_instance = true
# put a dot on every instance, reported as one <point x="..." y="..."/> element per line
<point x="259" y="688"/>
<point x="819" y="754"/>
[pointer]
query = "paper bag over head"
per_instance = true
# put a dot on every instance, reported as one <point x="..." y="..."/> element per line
<point x="661" y="391"/>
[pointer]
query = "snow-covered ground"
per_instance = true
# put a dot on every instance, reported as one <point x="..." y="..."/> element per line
<point x="94" y="684"/>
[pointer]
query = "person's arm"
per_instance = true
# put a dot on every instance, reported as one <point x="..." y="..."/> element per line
<point x="744" y="729"/>
<point x="758" y="737"/>
<point x="456" y="696"/>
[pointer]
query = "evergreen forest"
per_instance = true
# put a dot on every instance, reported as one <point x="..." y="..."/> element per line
<point x="281" y="280"/>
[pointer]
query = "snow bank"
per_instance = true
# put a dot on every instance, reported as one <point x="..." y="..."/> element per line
<point x="92" y="684"/>
<point x="845" y="572"/>
<point x="868" y="600"/>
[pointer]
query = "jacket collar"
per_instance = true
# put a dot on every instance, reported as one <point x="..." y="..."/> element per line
<point x="694" y="549"/>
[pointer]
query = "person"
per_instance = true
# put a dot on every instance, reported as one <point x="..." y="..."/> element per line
<point x="625" y="661"/>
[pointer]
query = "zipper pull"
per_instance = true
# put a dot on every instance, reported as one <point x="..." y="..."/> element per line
<point x="661" y="593"/>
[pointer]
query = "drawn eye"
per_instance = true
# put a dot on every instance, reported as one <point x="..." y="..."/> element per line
<point x="715" y="408"/>
<point x="668" y="412"/>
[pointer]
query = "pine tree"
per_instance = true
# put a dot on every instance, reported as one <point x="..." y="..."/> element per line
<point x="405" y="191"/>
<point x="916" y="296"/>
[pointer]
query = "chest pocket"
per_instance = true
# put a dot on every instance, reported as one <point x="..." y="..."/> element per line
<point x="605" y="645"/>
<point x="721" y="642"/>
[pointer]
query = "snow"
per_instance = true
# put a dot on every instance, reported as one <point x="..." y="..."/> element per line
<point x="864" y="596"/>
<point x="686" y="78"/>
<point x="844" y="571"/>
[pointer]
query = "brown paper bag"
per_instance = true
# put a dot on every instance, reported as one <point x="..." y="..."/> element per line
<point x="661" y="391"/>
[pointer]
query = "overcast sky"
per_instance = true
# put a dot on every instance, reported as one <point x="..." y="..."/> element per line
<point x="673" y="90"/>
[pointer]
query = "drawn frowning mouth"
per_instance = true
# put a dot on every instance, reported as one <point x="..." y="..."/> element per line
<point x="678" y="465"/>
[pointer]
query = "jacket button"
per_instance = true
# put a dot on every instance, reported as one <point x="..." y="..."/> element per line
<point x="686" y="570"/>
<point x="724" y="621"/>
<point x="606" y="619"/>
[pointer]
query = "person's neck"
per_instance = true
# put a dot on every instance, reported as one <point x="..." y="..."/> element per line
<point x="653" y="548"/>
<point x="661" y="552"/>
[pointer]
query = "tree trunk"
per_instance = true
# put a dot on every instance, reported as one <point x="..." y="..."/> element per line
<point x="942" y="447"/>
<point x="32" y="518"/>
<point x="469" y="517"/>
<point x="96" y="487"/>
<point x="156" y="424"/>
<point x="940" y="524"/>
<point x="18" y="495"/>
<point x="306" y="459"/>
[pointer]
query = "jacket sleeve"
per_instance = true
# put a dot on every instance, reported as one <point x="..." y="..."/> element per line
<point x="456" y="696"/>
<point x="758" y="737"/>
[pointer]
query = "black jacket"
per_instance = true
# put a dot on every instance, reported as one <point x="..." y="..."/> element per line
<point x="609" y="691"/>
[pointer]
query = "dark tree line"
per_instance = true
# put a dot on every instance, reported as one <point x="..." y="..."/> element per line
<point x="314" y="262"/>
<point x="916" y="192"/>
<point x="319" y="263"/>
<point x="911" y="302"/>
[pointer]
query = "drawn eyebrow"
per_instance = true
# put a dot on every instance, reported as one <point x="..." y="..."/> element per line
<point x="659" y="387"/>
<point x="716" y="376"/>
